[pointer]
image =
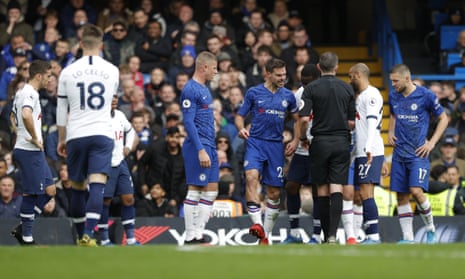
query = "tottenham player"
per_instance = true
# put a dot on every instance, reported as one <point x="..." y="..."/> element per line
<point x="199" y="148"/>
<point x="38" y="187"/>
<point x="85" y="135"/>
<point x="120" y="181"/>
<point x="411" y="106"/>
<point x="369" y="146"/>
<point x="268" y="104"/>
<point x="299" y="170"/>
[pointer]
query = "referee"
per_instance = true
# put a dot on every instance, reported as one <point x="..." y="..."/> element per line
<point x="329" y="101"/>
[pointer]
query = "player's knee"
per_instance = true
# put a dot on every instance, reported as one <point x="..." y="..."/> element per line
<point x="127" y="200"/>
<point x="292" y="188"/>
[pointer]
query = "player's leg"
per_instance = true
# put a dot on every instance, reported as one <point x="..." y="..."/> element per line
<point x="99" y="162"/>
<point x="103" y="234"/>
<point x="367" y="178"/>
<point x="208" y="194"/>
<point x="347" y="216"/>
<point x="293" y="207"/>
<point x="316" y="236"/>
<point x="418" y="185"/>
<point x="31" y="165"/>
<point x="50" y="189"/>
<point x="399" y="184"/>
<point x="358" y="213"/>
<point x="125" y="189"/>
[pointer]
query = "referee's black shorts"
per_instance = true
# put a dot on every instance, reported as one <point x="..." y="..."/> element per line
<point x="330" y="158"/>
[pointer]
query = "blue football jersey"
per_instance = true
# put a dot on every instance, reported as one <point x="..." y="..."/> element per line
<point x="197" y="108"/>
<point x="412" y="114"/>
<point x="268" y="111"/>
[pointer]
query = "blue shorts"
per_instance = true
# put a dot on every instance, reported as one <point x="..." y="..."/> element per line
<point x="406" y="174"/>
<point x="195" y="174"/>
<point x="88" y="155"/>
<point x="268" y="158"/>
<point x="119" y="182"/>
<point x="299" y="170"/>
<point x="350" y="174"/>
<point x="35" y="172"/>
<point x="372" y="174"/>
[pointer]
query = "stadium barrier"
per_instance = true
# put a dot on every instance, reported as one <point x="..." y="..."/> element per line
<point x="220" y="231"/>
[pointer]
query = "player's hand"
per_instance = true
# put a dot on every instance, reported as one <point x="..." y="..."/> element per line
<point x="37" y="143"/>
<point x="204" y="159"/>
<point x="61" y="149"/>
<point x="290" y="148"/>
<point x="243" y="133"/>
<point x="424" y="150"/>
<point x="392" y="139"/>
<point x="126" y="151"/>
<point x="369" y="158"/>
<point x="385" y="169"/>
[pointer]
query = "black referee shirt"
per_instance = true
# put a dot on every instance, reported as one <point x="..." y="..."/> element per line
<point x="332" y="102"/>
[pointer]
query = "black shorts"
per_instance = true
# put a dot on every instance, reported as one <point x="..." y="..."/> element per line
<point x="330" y="157"/>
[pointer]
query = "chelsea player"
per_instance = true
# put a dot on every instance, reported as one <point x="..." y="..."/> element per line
<point x="199" y="148"/>
<point x="268" y="104"/>
<point x="411" y="106"/>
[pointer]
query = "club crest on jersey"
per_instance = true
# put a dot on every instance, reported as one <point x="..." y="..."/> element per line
<point x="414" y="106"/>
<point x="284" y="103"/>
<point x="186" y="104"/>
<point x="202" y="177"/>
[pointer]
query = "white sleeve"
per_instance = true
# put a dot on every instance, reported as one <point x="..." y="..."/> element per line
<point x="62" y="104"/>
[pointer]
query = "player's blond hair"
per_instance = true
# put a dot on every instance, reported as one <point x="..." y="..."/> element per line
<point x="92" y="36"/>
<point x="203" y="58"/>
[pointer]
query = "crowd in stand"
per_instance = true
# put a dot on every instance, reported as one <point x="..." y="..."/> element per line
<point x="154" y="47"/>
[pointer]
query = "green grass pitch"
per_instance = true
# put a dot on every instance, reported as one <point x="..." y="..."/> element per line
<point x="278" y="261"/>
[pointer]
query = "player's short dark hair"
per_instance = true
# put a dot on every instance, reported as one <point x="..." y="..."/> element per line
<point x="309" y="73"/>
<point x="274" y="63"/>
<point x="39" y="67"/>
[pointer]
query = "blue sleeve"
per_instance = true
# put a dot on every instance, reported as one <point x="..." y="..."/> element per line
<point x="247" y="104"/>
<point x="293" y="108"/>
<point x="189" y="109"/>
<point x="4" y="86"/>
<point x="434" y="105"/>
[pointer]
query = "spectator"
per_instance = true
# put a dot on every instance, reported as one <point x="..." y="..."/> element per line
<point x="181" y="79"/>
<point x="458" y="64"/>
<point x="155" y="204"/>
<point x="153" y="49"/>
<point x="63" y="186"/>
<point x="134" y="65"/>
<point x="299" y="39"/>
<point x="137" y="104"/>
<point x="16" y="42"/>
<point x="182" y="15"/>
<point x="15" y="25"/>
<point x="283" y="34"/>
<point x="163" y="162"/>
<point x="247" y="50"/>
<point x="188" y="38"/>
<point x="279" y="13"/>
<point x="294" y="20"/>
<point x="449" y="157"/>
<point x="118" y="47"/>
<point x="79" y="18"/>
<point x="116" y="10"/>
<point x="10" y="204"/>
<point x="127" y="89"/>
<point x="18" y="56"/>
<point x="215" y="22"/>
<point x="44" y="49"/>
<point x="138" y="29"/>
<point x="266" y="37"/>
<point x="42" y="16"/>
<point x="68" y="11"/>
<point x="216" y="46"/>
<point x="255" y="74"/>
<point x="187" y="56"/>
<point x="152" y="89"/>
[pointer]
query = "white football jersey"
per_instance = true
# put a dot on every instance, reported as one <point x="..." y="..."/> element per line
<point x="27" y="97"/>
<point x="121" y="126"/>
<point x="369" y="114"/>
<point x="298" y="97"/>
<point x="87" y="87"/>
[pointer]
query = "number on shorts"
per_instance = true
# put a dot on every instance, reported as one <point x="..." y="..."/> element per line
<point x="363" y="170"/>
<point x="95" y="91"/>
<point x="422" y="173"/>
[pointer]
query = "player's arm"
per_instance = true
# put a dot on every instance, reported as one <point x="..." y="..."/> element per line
<point x="424" y="150"/>
<point x="392" y="125"/>
<point x="291" y="147"/>
<point x="373" y="108"/>
<point x="28" y="120"/>
<point x="131" y="140"/>
<point x="240" y="125"/>
<point x="62" y="116"/>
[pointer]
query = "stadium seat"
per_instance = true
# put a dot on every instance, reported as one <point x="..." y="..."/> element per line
<point x="452" y="58"/>
<point x="448" y="36"/>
